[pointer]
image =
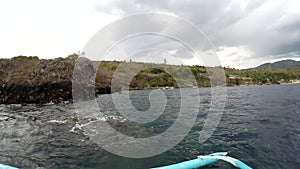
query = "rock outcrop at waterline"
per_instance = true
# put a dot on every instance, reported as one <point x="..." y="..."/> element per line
<point x="31" y="80"/>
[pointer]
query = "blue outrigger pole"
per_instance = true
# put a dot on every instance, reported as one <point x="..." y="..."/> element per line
<point x="6" y="167"/>
<point x="192" y="164"/>
<point x="206" y="160"/>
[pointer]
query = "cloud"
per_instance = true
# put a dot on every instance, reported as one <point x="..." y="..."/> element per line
<point x="237" y="57"/>
<point x="150" y="31"/>
<point x="48" y="29"/>
<point x="256" y="30"/>
<point x="269" y="30"/>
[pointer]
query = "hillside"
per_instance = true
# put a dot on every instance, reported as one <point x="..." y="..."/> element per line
<point x="33" y="80"/>
<point x="283" y="64"/>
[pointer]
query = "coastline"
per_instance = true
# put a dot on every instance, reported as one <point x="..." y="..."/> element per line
<point x="29" y="80"/>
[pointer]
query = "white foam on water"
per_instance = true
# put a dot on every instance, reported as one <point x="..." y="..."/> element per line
<point x="57" y="121"/>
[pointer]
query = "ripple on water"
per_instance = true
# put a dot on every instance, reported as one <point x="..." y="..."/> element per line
<point x="260" y="125"/>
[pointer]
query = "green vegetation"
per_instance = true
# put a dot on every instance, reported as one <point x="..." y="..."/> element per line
<point x="149" y="75"/>
<point x="263" y="76"/>
<point x="161" y="75"/>
<point x="33" y="80"/>
<point x="146" y="75"/>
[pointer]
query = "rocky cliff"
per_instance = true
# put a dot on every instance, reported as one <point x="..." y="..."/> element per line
<point x="31" y="80"/>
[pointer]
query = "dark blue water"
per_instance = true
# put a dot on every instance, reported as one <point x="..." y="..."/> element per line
<point x="260" y="126"/>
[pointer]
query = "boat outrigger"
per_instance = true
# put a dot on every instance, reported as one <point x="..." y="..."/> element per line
<point x="6" y="167"/>
<point x="205" y="160"/>
<point x="201" y="161"/>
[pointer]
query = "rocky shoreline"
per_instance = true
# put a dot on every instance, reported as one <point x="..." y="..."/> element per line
<point x="31" y="80"/>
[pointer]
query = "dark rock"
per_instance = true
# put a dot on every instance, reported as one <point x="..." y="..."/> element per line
<point x="30" y="80"/>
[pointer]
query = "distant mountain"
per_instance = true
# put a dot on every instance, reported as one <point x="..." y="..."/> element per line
<point x="283" y="64"/>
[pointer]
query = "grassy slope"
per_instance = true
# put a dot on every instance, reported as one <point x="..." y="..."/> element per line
<point x="30" y="69"/>
<point x="158" y="75"/>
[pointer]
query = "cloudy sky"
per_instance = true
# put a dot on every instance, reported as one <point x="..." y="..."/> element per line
<point x="244" y="33"/>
